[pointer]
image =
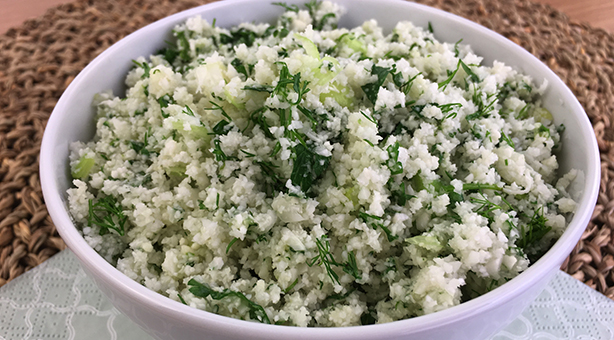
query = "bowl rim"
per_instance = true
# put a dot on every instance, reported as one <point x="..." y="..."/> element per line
<point x="113" y="277"/>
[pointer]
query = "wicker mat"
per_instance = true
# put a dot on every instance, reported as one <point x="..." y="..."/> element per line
<point x="41" y="57"/>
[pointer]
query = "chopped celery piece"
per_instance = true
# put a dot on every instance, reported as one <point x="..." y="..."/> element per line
<point x="427" y="242"/>
<point x="199" y="131"/>
<point x="178" y="125"/>
<point x="350" y="41"/>
<point x="340" y="95"/>
<point x="308" y="45"/>
<point x="542" y="114"/>
<point x="312" y="50"/>
<point x="177" y="172"/>
<point x="417" y="183"/>
<point x="352" y="195"/>
<point x="196" y="131"/>
<point x="325" y="78"/>
<point x="233" y="100"/>
<point x="333" y="61"/>
<point x="83" y="168"/>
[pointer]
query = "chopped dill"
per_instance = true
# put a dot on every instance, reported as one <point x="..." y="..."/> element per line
<point x="256" y="312"/>
<point x="108" y="214"/>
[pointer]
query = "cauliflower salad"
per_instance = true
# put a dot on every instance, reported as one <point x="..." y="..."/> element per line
<point x="308" y="175"/>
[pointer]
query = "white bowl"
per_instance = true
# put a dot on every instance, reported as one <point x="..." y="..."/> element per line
<point x="72" y="120"/>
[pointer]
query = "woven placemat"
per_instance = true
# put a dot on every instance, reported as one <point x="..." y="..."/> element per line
<point x="41" y="57"/>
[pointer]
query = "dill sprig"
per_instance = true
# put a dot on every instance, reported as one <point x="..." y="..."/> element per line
<point x="145" y="66"/>
<point x="365" y="218"/>
<point x="371" y="90"/>
<point x="534" y="231"/>
<point x="285" y="79"/>
<point x="308" y="167"/>
<point x="239" y="67"/>
<point x="474" y="77"/>
<point x="216" y="106"/>
<point x="351" y="267"/>
<point x="486" y="206"/>
<point x="256" y="312"/>
<point x="107" y="213"/>
<point x="506" y="139"/>
<point x="398" y="195"/>
<point x="483" y="110"/>
<point x="287" y="290"/>
<point x="289" y="8"/>
<point x="393" y="163"/>
<point x="231" y="243"/>
<point x="318" y="25"/>
<point x="325" y="258"/>
<point x="217" y="151"/>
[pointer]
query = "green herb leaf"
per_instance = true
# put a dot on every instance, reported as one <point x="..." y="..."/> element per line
<point x="169" y="54"/>
<point x="309" y="114"/>
<point x="483" y="110"/>
<point x="535" y="230"/>
<point x="369" y="118"/>
<point x="188" y="111"/>
<point x="417" y="182"/>
<point x="456" y="52"/>
<point x="319" y="25"/>
<point x="107" y="213"/>
<point x="312" y="6"/>
<point x="372" y="89"/>
<point x="231" y="243"/>
<point x="474" y="77"/>
<point x="369" y="317"/>
<point x="181" y="299"/>
<point x="216" y="106"/>
<point x="238" y="65"/>
<point x="393" y="155"/>
<point x="140" y="147"/>
<point x="268" y="170"/>
<point x="308" y="166"/>
<point x="544" y="131"/>
<point x="165" y="101"/>
<point x="256" y="312"/>
<point x="351" y="267"/>
<point x="184" y="46"/>
<point x="291" y="286"/>
<point x="481" y="186"/>
<point x="399" y="196"/>
<point x="145" y="66"/>
<point x="221" y="128"/>
<point x="365" y="218"/>
<point x="219" y="154"/>
<point x="259" y="88"/>
<point x="290" y="8"/>
<point x="326" y="258"/>
<point x="506" y="139"/>
<point x="239" y="36"/>
<point x="258" y="118"/>
<point x="285" y="79"/>
<point x="524" y="112"/>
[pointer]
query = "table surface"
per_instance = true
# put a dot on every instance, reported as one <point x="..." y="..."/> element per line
<point x="596" y="12"/>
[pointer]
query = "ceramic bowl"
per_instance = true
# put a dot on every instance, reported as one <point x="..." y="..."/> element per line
<point x="72" y="120"/>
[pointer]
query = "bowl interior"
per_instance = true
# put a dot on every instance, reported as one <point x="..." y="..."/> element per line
<point x="72" y="120"/>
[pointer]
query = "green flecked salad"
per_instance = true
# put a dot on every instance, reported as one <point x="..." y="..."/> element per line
<point x="309" y="175"/>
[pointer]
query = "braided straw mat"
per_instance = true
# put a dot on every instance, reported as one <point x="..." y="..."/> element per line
<point x="42" y="56"/>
